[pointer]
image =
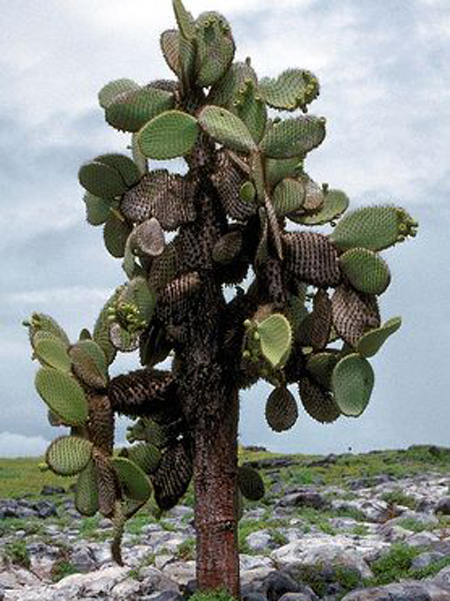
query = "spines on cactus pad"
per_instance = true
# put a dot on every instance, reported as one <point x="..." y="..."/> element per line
<point x="317" y="401"/>
<point x="353" y="313"/>
<point x="173" y="474"/>
<point x="40" y="322"/>
<point x="101" y="328"/>
<point x="281" y="410"/>
<point x="63" y="395"/>
<point x="101" y="180"/>
<point x="68" y="455"/>
<point x="133" y="481"/>
<point x="89" y="363"/>
<point x="52" y="352"/>
<point x="232" y="84"/>
<point x="170" y="135"/>
<point x="310" y="257"/>
<point x="115" y="234"/>
<point x="215" y="48"/>
<point x="365" y="270"/>
<point x="293" y="137"/>
<point x="115" y="88"/>
<point x="352" y="384"/>
<point x="228" y="178"/>
<point x="371" y="342"/>
<point x="160" y="194"/>
<point x="131" y="110"/>
<point x="101" y="422"/>
<point x="146" y="455"/>
<point x="321" y="365"/>
<point x="86" y="491"/>
<point x="145" y="392"/>
<point x="250" y="483"/>
<point x="250" y="108"/>
<point x="294" y="88"/>
<point x="271" y="337"/>
<point x="178" y="298"/>
<point x="226" y="128"/>
<point x="374" y="228"/>
<point x="334" y="204"/>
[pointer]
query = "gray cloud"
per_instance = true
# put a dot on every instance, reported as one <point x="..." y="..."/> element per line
<point x="385" y="92"/>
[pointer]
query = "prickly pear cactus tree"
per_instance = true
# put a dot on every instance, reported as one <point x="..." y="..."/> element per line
<point x="301" y="306"/>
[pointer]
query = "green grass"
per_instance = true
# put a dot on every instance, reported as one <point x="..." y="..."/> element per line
<point x="398" y="497"/>
<point x="17" y="553"/>
<point x="22" y="476"/>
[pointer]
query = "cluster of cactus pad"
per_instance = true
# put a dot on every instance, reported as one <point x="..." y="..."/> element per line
<point x="308" y="317"/>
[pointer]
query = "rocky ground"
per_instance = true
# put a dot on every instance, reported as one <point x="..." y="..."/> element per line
<point x="320" y="534"/>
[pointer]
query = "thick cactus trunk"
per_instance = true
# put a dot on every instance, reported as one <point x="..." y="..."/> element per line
<point x="215" y="467"/>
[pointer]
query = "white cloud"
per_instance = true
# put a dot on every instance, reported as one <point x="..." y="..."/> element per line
<point x="65" y="296"/>
<point x="17" y="445"/>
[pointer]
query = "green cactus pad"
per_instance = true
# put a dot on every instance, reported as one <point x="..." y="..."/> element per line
<point x="288" y="196"/>
<point x="281" y="410"/>
<point x="318" y="402"/>
<point x="215" y="48"/>
<point x="184" y="19"/>
<point x="170" y="46"/>
<point x="131" y="110"/>
<point x="40" y="323"/>
<point x="139" y="159"/>
<point x="63" y="395"/>
<point x="86" y="491"/>
<point x="373" y="340"/>
<point x="292" y="89"/>
<point x="227" y="89"/>
<point x="275" y="336"/>
<point x="226" y="128"/>
<point x="352" y="384"/>
<point x="143" y="296"/>
<point x="250" y="483"/>
<point x="114" y="88"/>
<point x="146" y="456"/>
<point x="89" y="363"/>
<point x="321" y="365"/>
<point x="101" y="328"/>
<point x="68" y="455"/>
<point x="365" y="270"/>
<point x="133" y="480"/>
<point x="374" y="228"/>
<point x="278" y="169"/>
<point x="101" y="180"/>
<point x="293" y="137"/>
<point x="335" y="203"/>
<point x="169" y="135"/>
<point x="53" y="352"/>
<point x="249" y="107"/>
<point x="115" y="235"/>
<point x="124" y="165"/>
<point x="97" y="209"/>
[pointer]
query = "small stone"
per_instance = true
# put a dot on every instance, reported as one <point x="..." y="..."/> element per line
<point x="47" y="489"/>
<point x="443" y="506"/>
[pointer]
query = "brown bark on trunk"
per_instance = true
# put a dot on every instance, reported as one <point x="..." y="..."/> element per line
<point x="215" y="468"/>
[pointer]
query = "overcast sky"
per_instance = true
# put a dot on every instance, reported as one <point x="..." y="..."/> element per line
<point x="385" y="90"/>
